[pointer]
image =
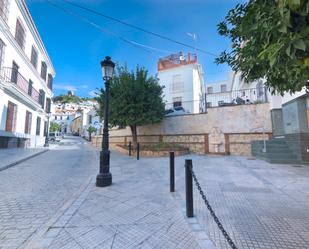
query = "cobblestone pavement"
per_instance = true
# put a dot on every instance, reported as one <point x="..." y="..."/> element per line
<point x="261" y="205"/>
<point x="32" y="192"/>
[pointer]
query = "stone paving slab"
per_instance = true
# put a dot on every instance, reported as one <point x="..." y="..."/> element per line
<point x="137" y="211"/>
<point x="12" y="157"/>
<point x="261" y="205"/>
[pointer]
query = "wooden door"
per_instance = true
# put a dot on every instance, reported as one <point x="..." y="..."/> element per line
<point x="11" y="117"/>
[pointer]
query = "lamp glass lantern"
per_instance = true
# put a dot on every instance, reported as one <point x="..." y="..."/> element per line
<point x="107" y="68"/>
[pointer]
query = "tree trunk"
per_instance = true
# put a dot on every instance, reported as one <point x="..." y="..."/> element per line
<point x="134" y="135"/>
<point x="89" y="137"/>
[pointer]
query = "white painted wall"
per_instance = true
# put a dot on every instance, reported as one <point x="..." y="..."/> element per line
<point x="12" y="51"/>
<point x="193" y="86"/>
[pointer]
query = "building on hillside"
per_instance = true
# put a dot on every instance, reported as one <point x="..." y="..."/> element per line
<point x="183" y="80"/>
<point x="26" y="78"/>
<point x="77" y="125"/>
<point x="92" y="119"/>
<point x="65" y="113"/>
<point x="64" y="119"/>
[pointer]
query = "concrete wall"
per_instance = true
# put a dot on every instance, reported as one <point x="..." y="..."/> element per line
<point x="223" y="130"/>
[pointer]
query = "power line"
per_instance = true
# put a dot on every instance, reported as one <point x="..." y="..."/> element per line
<point x="104" y="30"/>
<point x="137" y="28"/>
<point x="146" y="48"/>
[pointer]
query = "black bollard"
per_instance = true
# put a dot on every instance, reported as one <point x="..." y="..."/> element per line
<point x="137" y="152"/>
<point x="172" y="172"/>
<point x="130" y="148"/>
<point x="189" y="188"/>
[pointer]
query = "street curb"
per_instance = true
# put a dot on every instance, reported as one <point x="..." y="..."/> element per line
<point x="22" y="160"/>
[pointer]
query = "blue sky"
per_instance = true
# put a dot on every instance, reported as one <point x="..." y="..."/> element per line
<point x="76" y="48"/>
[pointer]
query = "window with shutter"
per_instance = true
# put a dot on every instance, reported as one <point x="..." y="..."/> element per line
<point x="223" y="88"/>
<point x="43" y="70"/>
<point x="50" y="81"/>
<point x="42" y="98"/>
<point x="28" y="122"/>
<point x="45" y="128"/>
<point x="34" y="56"/>
<point x="210" y="89"/>
<point x="177" y="102"/>
<point x="2" y="45"/>
<point x="30" y="87"/>
<point x="48" y="105"/>
<point x="4" y="9"/>
<point x="177" y="84"/>
<point x="20" y="34"/>
<point x="38" y="126"/>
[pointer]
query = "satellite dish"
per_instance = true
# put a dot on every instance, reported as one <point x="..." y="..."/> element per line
<point x="182" y="58"/>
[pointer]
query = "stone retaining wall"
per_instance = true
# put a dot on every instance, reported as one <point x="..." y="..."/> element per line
<point x="233" y="144"/>
<point x="222" y="130"/>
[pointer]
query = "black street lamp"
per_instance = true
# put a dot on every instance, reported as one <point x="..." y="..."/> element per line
<point x="104" y="178"/>
<point x="46" y="144"/>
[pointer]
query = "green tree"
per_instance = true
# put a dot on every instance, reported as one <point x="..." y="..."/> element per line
<point x="67" y="99"/>
<point x="135" y="100"/>
<point x="90" y="130"/>
<point x="53" y="126"/>
<point x="270" y="38"/>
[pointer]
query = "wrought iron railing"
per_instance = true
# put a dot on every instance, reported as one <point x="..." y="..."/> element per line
<point x="186" y="107"/>
<point x="238" y="97"/>
<point x="12" y="75"/>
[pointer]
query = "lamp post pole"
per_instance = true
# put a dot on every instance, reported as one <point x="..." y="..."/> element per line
<point x="46" y="144"/>
<point x="104" y="178"/>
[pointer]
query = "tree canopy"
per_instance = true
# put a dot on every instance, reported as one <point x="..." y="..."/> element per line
<point x="67" y="99"/>
<point x="135" y="99"/>
<point x="270" y="39"/>
<point x="54" y="127"/>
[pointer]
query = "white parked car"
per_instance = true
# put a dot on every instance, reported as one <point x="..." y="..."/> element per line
<point x="179" y="110"/>
<point x="54" y="137"/>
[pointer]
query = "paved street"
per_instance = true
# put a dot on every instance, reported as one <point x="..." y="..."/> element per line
<point x="9" y="157"/>
<point x="33" y="191"/>
<point x="51" y="201"/>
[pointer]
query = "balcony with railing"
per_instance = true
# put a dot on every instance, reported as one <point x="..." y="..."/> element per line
<point x="238" y="97"/>
<point x="11" y="75"/>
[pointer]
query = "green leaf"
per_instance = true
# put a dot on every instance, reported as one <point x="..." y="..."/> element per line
<point x="299" y="44"/>
<point x="283" y="28"/>
<point x="288" y="50"/>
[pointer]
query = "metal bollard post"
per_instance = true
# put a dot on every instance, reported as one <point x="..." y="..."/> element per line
<point x="189" y="188"/>
<point x="137" y="152"/>
<point x="172" y="172"/>
<point x="130" y="148"/>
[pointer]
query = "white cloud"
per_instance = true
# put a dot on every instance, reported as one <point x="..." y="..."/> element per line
<point x="65" y="87"/>
<point x="93" y="93"/>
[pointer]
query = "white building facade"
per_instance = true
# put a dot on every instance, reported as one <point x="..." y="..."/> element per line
<point x="26" y="78"/>
<point x="235" y="90"/>
<point x="183" y="81"/>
